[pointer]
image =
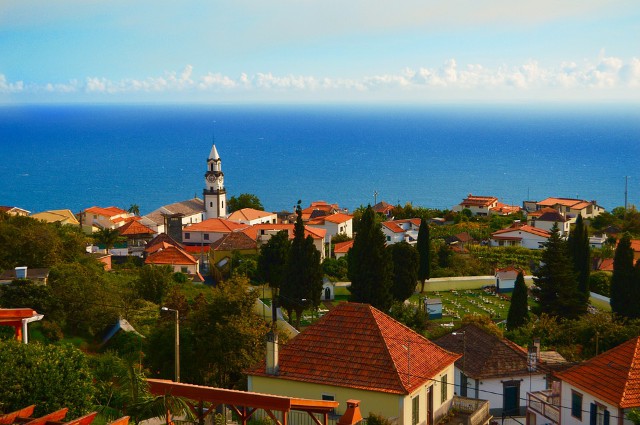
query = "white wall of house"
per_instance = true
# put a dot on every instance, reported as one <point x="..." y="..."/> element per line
<point x="563" y="227"/>
<point x="439" y="406"/>
<point x="200" y="238"/>
<point x="566" y="414"/>
<point x="392" y="237"/>
<point x="527" y="240"/>
<point x="335" y="228"/>
<point x="493" y="389"/>
<point x="186" y="268"/>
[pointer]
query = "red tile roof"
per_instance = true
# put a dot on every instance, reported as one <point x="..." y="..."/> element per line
<point x="396" y="225"/>
<point x="107" y="212"/>
<point x="134" y="227"/>
<point x="160" y="242"/>
<point x="342" y="247"/>
<point x="255" y="230"/>
<point x="576" y="204"/>
<point x="358" y="346"/>
<point x="606" y="265"/>
<point x="248" y="214"/>
<point x="234" y="240"/>
<point x="215" y="225"/>
<point x="332" y="218"/>
<point x="170" y="255"/>
<point x="382" y="207"/>
<point x="524" y="228"/>
<point x="474" y="200"/>
<point x="613" y="376"/>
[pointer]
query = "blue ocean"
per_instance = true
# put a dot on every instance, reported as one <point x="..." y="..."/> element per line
<point x="77" y="156"/>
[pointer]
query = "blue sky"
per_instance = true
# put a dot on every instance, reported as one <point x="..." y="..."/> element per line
<point x="319" y="51"/>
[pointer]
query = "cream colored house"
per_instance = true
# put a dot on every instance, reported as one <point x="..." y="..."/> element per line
<point x="357" y="352"/>
<point x="57" y="216"/>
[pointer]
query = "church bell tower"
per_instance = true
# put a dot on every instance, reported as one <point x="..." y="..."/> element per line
<point x="215" y="195"/>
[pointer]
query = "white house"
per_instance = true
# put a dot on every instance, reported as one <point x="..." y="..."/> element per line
<point x="261" y="233"/>
<point x="252" y="216"/>
<point x="334" y="224"/>
<point x="600" y="391"/>
<point x="572" y="207"/>
<point x="95" y="218"/>
<point x="209" y="230"/>
<point x="495" y="369"/>
<point x="401" y="230"/>
<point x="478" y="205"/>
<point x="548" y="217"/>
<point x="341" y="249"/>
<point x="520" y="235"/>
<point x="506" y="279"/>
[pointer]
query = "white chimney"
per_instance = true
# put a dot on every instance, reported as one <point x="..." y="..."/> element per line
<point x="21" y="272"/>
<point x="273" y="365"/>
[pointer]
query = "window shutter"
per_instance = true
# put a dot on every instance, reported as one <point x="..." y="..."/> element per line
<point x="593" y="414"/>
<point x="606" y="417"/>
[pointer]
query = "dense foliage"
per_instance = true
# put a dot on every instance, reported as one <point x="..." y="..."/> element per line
<point x="49" y="376"/>
<point x="244" y="200"/>
<point x="555" y="279"/>
<point x="580" y="252"/>
<point x="273" y="258"/>
<point x="405" y="270"/>
<point x="370" y="267"/>
<point x="625" y="282"/>
<point x="518" y="309"/>
<point x="423" y="245"/>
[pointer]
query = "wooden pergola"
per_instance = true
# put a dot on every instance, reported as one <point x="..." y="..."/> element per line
<point x="243" y="403"/>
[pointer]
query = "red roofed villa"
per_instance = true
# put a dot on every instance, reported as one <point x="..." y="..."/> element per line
<point x="357" y="351"/>
<point x="520" y="235"/>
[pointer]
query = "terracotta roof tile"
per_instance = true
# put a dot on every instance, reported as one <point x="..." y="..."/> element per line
<point x="613" y="376"/>
<point x="215" y="225"/>
<point x="107" y="212"/>
<point x="396" y="225"/>
<point x="332" y="218"/>
<point x="487" y="356"/>
<point x="524" y="228"/>
<point x="479" y="200"/>
<point x="577" y="204"/>
<point x="234" y="240"/>
<point x="358" y="346"/>
<point x="134" y="227"/>
<point x="256" y="229"/>
<point x="342" y="247"/>
<point x="162" y="240"/>
<point x="382" y="207"/>
<point x="170" y="255"/>
<point x="248" y="214"/>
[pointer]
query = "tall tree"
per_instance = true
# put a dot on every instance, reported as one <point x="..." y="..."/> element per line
<point x="622" y="278"/>
<point x="518" y="312"/>
<point x="424" y="251"/>
<point x="245" y="200"/>
<point x="556" y="280"/>
<point x="370" y="267"/>
<point x="134" y="209"/>
<point x="108" y="237"/>
<point x="302" y="284"/>
<point x="405" y="270"/>
<point x="273" y="259"/>
<point x="580" y="252"/>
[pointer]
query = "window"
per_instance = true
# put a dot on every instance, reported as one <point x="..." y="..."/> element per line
<point x="576" y="405"/>
<point x="598" y="415"/>
<point x="388" y="238"/>
<point x="511" y="397"/>
<point x="329" y="397"/>
<point x="443" y="389"/>
<point x="206" y="236"/>
<point x="211" y="204"/>
<point x="415" y="410"/>
<point x="184" y="269"/>
<point x="222" y="204"/>
<point x="187" y="235"/>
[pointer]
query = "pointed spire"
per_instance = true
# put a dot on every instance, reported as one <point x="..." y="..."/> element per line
<point x="214" y="153"/>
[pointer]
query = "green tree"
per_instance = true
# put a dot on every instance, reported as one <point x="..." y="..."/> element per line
<point x="108" y="238"/>
<point x="154" y="282"/>
<point x="49" y="376"/>
<point x="25" y="241"/>
<point x="245" y="200"/>
<point x="556" y="281"/>
<point x="518" y="311"/>
<point x="410" y="316"/>
<point x="445" y="256"/>
<point x="405" y="270"/>
<point x="273" y="258"/>
<point x="229" y="336"/>
<point x="424" y="251"/>
<point x="134" y="209"/>
<point x="336" y="269"/>
<point x="302" y="284"/>
<point x="370" y="267"/>
<point x="622" y="280"/>
<point x="580" y="251"/>
<point x="600" y="283"/>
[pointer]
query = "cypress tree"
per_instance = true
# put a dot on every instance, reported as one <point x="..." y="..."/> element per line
<point x="302" y="283"/>
<point x="580" y="251"/>
<point x="556" y="281"/>
<point x="518" y="312"/>
<point x="370" y="268"/>
<point x="405" y="270"/>
<point x="622" y="279"/>
<point x="424" y="251"/>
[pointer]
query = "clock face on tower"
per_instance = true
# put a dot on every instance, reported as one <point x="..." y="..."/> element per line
<point x="211" y="178"/>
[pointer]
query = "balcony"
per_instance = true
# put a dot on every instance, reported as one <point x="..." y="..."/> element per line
<point x="466" y="411"/>
<point x="545" y="403"/>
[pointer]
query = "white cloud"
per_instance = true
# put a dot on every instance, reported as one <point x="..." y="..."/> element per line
<point x="605" y="76"/>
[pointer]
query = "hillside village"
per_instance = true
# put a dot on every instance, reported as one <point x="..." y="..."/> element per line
<point x="437" y="348"/>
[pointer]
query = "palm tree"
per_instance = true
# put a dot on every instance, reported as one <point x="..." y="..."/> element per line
<point x="134" y="209"/>
<point x="107" y="237"/>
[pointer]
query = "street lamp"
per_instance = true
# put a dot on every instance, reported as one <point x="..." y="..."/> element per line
<point x="177" y="371"/>
<point x="464" y="357"/>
